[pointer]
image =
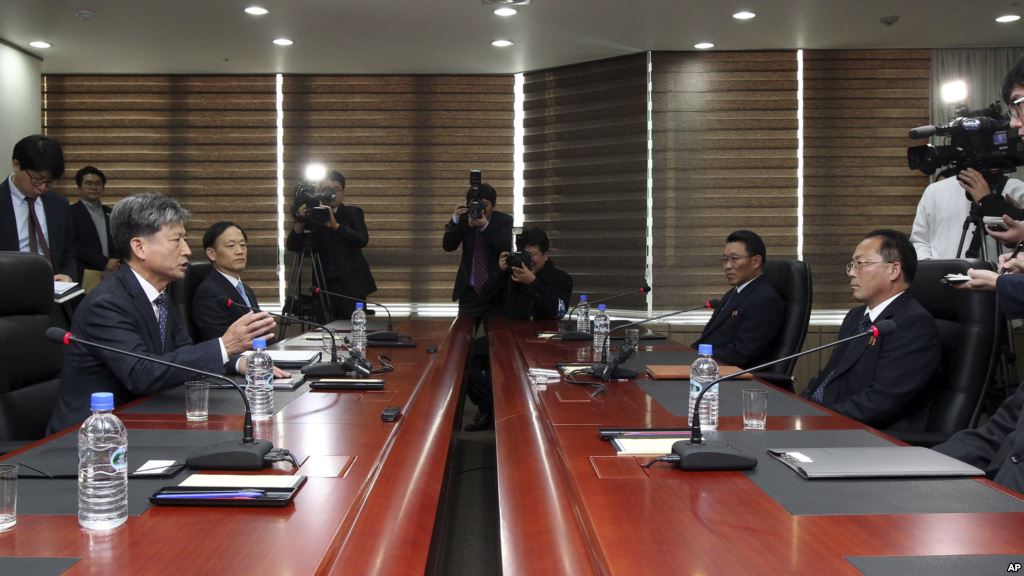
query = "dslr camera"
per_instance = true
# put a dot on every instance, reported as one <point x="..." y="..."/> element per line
<point x="476" y="203"/>
<point x="979" y="139"/>
<point x="520" y="258"/>
<point x="317" y="202"/>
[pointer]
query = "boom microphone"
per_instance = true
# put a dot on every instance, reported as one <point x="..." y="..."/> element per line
<point x="577" y="335"/>
<point x="695" y="455"/>
<point x="645" y="289"/>
<point x="388" y="335"/>
<point x="247" y="454"/>
<point x="320" y="369"/>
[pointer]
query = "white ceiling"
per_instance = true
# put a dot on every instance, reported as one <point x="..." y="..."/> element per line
<point x="453" y="36"/>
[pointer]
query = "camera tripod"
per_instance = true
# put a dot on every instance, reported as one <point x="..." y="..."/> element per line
<point x="301" y="303"/>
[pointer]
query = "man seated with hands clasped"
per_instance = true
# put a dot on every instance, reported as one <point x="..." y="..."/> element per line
<point x="132" y="311"/>
<point x="748" y="317"/>
<point x="538" y="290"/>
<point x="226" y="246"/>
<point x="883" y="382"/>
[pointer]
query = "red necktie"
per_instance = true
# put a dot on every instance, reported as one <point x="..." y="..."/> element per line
<point x="36" y="231"/>
<point x="479" y="262"/>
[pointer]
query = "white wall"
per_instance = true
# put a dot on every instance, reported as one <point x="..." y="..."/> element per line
<point x="20" y="101"/>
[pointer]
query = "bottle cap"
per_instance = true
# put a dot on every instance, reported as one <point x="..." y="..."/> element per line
<point x="704" y="349"/>
<point x="101" y="401"/>
<point x="583" y="297"/>
<point x="359" y="305"/>
<point x="259" y="343"/>
<point x="600" y="307"/>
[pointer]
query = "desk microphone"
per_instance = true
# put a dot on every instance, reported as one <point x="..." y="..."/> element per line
<point x="247" y="454"/>
<point x="645" y="289"/>
<point x="577" y="335"/>
<point x="695" y="455"/>
<point x="320" y="369"/>
<point x="388" y="335"/>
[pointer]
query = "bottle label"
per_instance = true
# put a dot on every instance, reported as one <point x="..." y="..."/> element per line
<point x="119" y="459"/>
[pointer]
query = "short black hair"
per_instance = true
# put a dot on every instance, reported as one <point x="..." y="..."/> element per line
<point x="218" y="228"/>
<point x="337" y="177"/>
<point x="1015" y="77"/>
<point x="143" y="215"/>
<point x="486" y="192"/>
<point x="896" y="247"/>
<point x="755" y="246"/>
<point x="40" y="153"/>
<point x="534" y="237"/>
<point x="81" y="174"/>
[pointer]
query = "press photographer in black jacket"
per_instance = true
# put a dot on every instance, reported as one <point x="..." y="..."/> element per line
<point x="537" y="291"/>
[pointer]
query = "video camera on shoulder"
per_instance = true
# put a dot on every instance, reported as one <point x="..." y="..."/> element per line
<point x="979" y="139"/>
<point x="317" y="201"/>
<point x="520" y="258"/>
<point x="476" y="203"/>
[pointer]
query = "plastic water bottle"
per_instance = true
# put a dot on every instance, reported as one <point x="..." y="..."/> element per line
<point x="602" y="325"/>
<point x="102" y="467"/>
<point x="358" y="337"/>
<point x="259" y="381"/>
<point x="703" y="372"/>
<point x="583" y="315"/>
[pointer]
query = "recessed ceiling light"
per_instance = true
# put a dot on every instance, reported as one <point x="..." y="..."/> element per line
<point x="505" y="11"/>
<point x="501" y="43"/>
<point x="1008" y="18"/>
<point x="703" y="45"/>
<point x="39" y="44"/>
<point x="283" y="42"/>
<point x="744" y="15"/>
<point x="257" y="11"/>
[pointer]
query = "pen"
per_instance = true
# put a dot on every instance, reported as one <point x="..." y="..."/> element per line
<point x="223" y="495"/>
<point x="1016" y="251"/>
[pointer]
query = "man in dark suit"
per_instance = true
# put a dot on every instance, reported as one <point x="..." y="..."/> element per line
<point x="132" y="311"/>
<point x="91" y="220"/>
<point x="340" y="244"/>
<point x="483" y="238"/>
<point x="884" y="382"/>
<point x="749" y="316"/>
<point x="226" y="245"/>
<point x="33" y="217"/>
<point x="540" y="291"/>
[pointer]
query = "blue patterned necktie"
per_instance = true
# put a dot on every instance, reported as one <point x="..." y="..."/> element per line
<point x="241" y="290"/>
<point x="819" y="392"/>
<point x="161" y="319"/>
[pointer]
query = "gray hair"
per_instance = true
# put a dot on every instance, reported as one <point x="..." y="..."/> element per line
<point x="143" y="215"/>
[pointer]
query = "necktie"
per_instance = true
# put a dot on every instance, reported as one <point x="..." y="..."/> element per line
<point x="36" y="238"/>
<point x="479" y="262"/>
<point x="819" y="392"/>
<point x="241" y="290"/>
<point x="161" y="319"/>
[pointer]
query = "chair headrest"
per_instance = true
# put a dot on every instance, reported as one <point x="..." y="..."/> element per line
<point x="27" y="287"/>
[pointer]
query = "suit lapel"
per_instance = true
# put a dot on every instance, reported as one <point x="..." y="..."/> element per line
<point x="144" y="308"/>
<point x="54" y="223"/>
<point x="857" y="348"/>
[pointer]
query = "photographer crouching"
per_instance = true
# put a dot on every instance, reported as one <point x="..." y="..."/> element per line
<point x="530" y="284"/>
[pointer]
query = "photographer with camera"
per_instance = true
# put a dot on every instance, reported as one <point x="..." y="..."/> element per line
<point x="484" y="233"/>
<point x="530" y="285"/>
<point x="338" y="232"/>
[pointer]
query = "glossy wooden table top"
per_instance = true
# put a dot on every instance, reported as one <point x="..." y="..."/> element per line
<point x="566" y="499"/>
<point x="368" y="506"/>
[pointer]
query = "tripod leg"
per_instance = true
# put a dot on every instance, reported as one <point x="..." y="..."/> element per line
<point x="321" y="280"/>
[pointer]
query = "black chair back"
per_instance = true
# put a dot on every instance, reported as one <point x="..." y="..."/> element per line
<point x="30" y="377"/>
<point x="970" y="337"/>
<point x="792" y="280"/>
<point x="182" y="292"/>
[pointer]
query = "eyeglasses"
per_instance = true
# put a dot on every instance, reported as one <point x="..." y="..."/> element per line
<point x="1016" y="109"/>
<point x="92" y="184"/>
<point x="733" y="259"/>
<point x="858" y="264"/>
<point x="38" y="180"/>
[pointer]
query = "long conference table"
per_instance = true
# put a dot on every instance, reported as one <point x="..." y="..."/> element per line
<point x="568" y="505"/>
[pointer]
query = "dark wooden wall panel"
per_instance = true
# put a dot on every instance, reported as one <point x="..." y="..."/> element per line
<point x="585" y="173"/>
<point x="858" y="107"/>
<point x="208" y="141"/>
<point x="406" y="145"/>
<point x="724" y="158"/>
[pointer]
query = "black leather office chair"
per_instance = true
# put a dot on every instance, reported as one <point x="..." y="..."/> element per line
<point x="30" y="365"/>
<point x="792" y="280"/>
<point x="970" y="336"/>
<point x="182" y="291"/>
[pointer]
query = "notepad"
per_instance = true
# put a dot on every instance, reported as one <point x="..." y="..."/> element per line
<point x="290" y="358"/>
<point x="264" y="481"/>
<point x="644" y="446"/>
<point x="871" y="461"/>
<point x="682" y="372"/>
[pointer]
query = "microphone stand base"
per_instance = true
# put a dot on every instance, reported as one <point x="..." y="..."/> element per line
<point x="384" y="336"/>
<point x="231" y="455"/>
<point x="326" y="370"/>
<point x="616" y="373"/>
<point x="697" y="457"/>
